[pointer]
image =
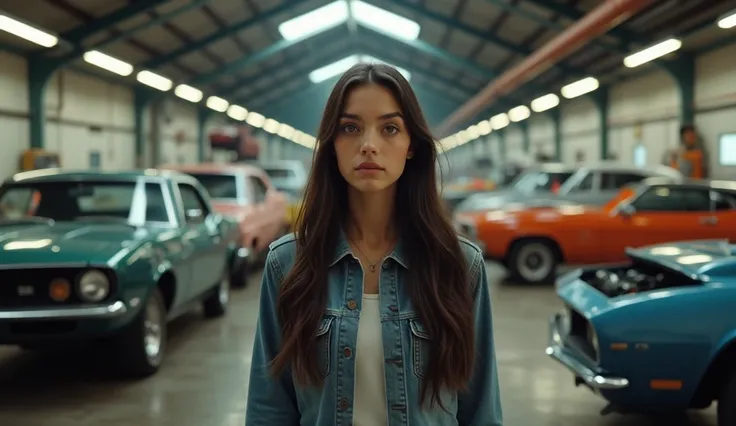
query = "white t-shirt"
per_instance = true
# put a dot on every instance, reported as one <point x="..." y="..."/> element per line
<point x="370" y="380"/>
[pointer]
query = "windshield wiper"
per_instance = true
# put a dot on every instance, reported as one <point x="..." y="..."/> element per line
<point x="26" y="219"/>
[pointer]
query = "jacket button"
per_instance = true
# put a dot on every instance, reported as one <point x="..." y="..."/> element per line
<point x="385" y="265"/>
<point x="347" y="352"/>
<point x="352" y="305"/>
<point x="343" y="404"/>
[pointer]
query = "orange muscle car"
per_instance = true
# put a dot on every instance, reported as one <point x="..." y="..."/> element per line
<point x="532" y="242"/>
<point x="245" y="193"/>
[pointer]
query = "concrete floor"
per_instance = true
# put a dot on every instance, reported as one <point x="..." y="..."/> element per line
<point x="204" y="380"/>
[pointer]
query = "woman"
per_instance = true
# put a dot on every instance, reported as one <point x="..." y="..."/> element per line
<point x="375" y="313"/>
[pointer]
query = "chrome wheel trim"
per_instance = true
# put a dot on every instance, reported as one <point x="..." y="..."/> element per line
<point x="223" y="293"/>
<point x="535" y="261"/>
<point x="153" y="331"/>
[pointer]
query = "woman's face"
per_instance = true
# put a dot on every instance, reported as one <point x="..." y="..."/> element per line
<point x="373" y="142"/>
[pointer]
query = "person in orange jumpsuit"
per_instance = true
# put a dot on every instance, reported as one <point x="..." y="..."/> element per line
<point x="690" y="160"/>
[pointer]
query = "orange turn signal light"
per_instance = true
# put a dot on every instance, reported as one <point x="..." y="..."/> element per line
<point x="60" y="290"/>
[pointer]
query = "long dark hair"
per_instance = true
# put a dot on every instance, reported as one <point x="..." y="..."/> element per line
<point x="438" y="280"/>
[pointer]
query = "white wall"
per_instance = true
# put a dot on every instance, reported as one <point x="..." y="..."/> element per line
<point x="86" y="114"/>
<point x="646" y="110"/>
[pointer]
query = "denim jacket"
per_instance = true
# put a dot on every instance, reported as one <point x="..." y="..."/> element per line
<point x="281" y="402"/>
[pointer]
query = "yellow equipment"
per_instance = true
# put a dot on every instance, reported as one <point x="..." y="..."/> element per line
<point x="34" y="159"/>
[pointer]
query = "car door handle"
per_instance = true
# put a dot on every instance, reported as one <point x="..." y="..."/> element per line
<point x="710" y="220"/>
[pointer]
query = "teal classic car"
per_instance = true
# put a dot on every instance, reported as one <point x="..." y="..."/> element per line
<point x="109" y="258"/>
<point x="658" y="334"/>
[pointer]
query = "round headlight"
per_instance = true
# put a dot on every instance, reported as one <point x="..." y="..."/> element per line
<point x="93" y="286"/>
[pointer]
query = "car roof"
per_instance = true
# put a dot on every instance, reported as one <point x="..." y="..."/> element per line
<point x="552" y="168"/>
<point x="215" y="168"/>
<point x="62" y="175"/>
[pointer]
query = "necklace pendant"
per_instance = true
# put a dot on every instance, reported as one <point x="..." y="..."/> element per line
<point x="373" y="268"/>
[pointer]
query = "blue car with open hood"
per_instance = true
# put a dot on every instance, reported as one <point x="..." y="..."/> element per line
<point x="656" y="334"/>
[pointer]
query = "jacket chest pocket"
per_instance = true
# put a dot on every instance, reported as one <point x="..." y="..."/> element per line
<point x="324" y="344"/>
<point x="420" y="347"/>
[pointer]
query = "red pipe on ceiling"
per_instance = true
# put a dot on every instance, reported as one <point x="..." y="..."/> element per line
<point x="596" y="23"/>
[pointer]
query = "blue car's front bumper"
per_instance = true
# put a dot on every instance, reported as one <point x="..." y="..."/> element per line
<point x="556" y="349"/>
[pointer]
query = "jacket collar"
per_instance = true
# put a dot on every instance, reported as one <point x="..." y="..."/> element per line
<point x="343" y="249"/>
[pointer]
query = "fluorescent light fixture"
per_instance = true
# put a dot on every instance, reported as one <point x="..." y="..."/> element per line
<point x="271" y="126"/>
<point x="154" y="80"/>
<point x="384" y="21"/>
<point x="108" y="63"/>
<point x="237" y="112"/>
<point x="188" y="93"/>
<point x="217" y="103"/>
<point x="543" y="103"/>
<point x="255" y="119"/>
<point x="285" y="131"/>
<point x="499" y="121"/>
<point x="728" y="20"/>
<point x="315" y="21"/>
<point x="371" y="60"/>
<point x="473" y="132"/>
<point x="519" y="113"/>
<point x="27" y="32"/>
<point x="580" y="87"/>
<point x="336" y="68"/>
<point x="484" y="127"/>
<point x="651" y="53"/>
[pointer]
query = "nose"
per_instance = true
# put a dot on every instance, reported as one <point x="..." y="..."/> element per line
<point x="368" y="144"/>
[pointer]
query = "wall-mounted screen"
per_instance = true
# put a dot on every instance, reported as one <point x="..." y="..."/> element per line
<point x="727" y="149"/>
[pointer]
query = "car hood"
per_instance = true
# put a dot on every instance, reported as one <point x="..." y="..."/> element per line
<point x="693" y="258"/>
<point x="65" y="242"/>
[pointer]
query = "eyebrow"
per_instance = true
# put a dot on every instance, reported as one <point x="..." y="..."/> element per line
<point x="380" y="117"/>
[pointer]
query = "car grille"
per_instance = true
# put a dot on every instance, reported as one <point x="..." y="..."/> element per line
<point x="579" y="337"/>
<point x="21" y="288"/>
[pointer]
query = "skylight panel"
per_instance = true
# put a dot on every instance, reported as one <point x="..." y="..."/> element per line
<point x="384" y="21"/>
<point x="336" y="68"/>
<point x="315" y="21"/>
<point x="371" y="60"/>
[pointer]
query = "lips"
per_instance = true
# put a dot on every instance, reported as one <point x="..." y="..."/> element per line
<point x="368" y="165"/>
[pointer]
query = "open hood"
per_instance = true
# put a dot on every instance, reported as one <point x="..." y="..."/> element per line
<point x="692" y="258"/>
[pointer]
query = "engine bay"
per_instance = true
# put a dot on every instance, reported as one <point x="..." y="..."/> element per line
<point x="640" y="276"/>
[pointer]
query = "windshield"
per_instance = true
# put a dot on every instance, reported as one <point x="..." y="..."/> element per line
<point x="135" y="203"/>
<point x="277" y="173"/>
<point x="219" y="186"/>
<point x="535" y="180"/>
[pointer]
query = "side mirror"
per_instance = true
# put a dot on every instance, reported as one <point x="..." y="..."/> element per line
<point x="194" y="215"/>
<point x="627" y="211"/>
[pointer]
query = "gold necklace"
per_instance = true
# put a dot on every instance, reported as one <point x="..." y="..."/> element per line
<point x="371" y="265"/>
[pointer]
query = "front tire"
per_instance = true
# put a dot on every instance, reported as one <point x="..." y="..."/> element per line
<point x="239" y="275"/>
<point x="727" y="402"/>
<point x="216" y="304"/>
<point x="140" y="349"/>
<point x="533" y="261"/>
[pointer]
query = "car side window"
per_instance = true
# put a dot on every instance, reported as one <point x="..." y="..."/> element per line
<point x="723" y="201"/>
<point x="259" y="189"/>
<point x="616" y="180"/>
<point x="195" y="209"/>
<point x="586" y="184"/>
<point x="673" y="199"/>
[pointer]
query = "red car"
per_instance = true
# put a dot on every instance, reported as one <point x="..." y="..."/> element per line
<point x="245" y="193"/>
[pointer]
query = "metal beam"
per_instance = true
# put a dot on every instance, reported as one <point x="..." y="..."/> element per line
<point x="227" y="32"/>
<point x="78" y="34"/>
<point x="260" y="56"/>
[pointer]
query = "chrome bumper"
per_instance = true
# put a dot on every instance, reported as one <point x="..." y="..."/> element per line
<point x="112" y="310"/>
<point x="556" y="350"/>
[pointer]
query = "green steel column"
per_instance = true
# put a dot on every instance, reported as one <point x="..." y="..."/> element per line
<point x="683" y="71"/>
<point x="600" y="97"/>
<point x="524" y="125"/>
<point x="202" y="116"/>
<point x="556" y="116"/>
<point x="39" y="73"/>
<point x="141" y="100"/>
